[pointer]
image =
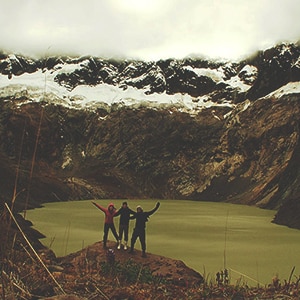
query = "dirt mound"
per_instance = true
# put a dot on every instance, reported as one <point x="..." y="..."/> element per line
<point x="108" y="273"/>
<point x="111" y="274"/>
<point x="95" y="272"/>
<point x="171" y="270"/>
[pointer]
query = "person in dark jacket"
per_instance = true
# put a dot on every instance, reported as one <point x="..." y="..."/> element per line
<point x="124" y="212"/>
<point x="110" y="212"/>
<point x="139" y="230"/>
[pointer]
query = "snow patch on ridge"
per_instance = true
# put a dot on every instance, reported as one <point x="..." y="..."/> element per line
<point x="290" y="88"/>
<point x="215" y="75"/>
<point x="40" y="86"/>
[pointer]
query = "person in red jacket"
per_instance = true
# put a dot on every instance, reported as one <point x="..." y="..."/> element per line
<point x="110" y="212"/>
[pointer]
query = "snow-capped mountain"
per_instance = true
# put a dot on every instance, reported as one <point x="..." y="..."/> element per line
<point x="190" y="84"/>
<point x="184" y="129"/>
<point x="91" y="82"/>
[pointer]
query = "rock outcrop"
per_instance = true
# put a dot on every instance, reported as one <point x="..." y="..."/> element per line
<point x="97" y="272"/>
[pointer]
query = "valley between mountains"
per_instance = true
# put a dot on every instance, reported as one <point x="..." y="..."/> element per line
<point x="87" y="128"/>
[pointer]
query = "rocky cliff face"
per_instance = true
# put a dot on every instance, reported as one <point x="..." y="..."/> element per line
<point x="232" y="135"/>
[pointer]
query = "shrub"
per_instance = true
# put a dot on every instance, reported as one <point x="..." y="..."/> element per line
<point x="128" y="272"/>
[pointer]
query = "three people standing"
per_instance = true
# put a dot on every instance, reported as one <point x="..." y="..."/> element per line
<point x="126" y="214"/>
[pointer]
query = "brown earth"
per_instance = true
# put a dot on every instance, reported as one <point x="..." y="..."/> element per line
<point x="82" y="276"/>
<point x="90" y="264"/>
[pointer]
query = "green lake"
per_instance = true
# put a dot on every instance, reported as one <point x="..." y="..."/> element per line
<point x="205" y="236"/>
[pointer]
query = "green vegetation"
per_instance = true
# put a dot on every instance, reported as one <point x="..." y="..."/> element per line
<point x="208" y="237"/>
<point x="129" y="272"/>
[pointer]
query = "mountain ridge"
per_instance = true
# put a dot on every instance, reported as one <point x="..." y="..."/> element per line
<point x="179" y="129"/>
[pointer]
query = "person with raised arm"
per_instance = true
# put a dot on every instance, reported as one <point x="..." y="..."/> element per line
<point x="139" y="231"/>
<point x="110" y="212"/>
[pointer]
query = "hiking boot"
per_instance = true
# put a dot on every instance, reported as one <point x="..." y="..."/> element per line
<point x="144" y="254"/>
<point x="119" y="245"/>
<point x="125" y="246"/>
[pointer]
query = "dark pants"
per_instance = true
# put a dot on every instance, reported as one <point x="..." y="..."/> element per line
<point x="123" y="228"/>
<point x="113" y="229"/>
<point x="141" y="234"/>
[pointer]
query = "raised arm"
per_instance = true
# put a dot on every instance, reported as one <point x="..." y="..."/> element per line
<point x="149" y="213"/>
<point x="99" y="206"/>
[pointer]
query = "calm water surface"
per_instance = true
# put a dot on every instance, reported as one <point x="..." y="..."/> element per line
<point x="206" y="236"/>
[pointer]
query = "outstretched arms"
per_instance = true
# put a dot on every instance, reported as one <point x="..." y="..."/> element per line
<point x="154" y="209"/>
<point x="98" y="206"/>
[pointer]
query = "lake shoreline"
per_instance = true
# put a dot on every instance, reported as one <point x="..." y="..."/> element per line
<point x="211" y="233"/>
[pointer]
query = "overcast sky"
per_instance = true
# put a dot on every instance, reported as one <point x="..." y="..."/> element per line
<point x="147" y="29"/>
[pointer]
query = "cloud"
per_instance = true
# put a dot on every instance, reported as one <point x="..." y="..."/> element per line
<point x="147" y="29"/>
<point x="279" y="21"/>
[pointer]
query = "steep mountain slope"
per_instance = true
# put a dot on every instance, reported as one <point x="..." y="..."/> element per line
<point x="189" y="129"/>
